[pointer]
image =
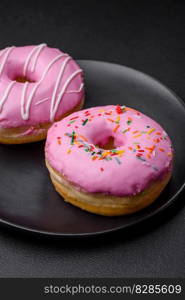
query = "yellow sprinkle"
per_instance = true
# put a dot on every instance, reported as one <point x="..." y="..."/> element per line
<point x="136" y="136"/>
<point x="68" y="151"/>
<point x="104" y="154"/>
<point x="120" y="151"/>
<point x="151" y="130"/>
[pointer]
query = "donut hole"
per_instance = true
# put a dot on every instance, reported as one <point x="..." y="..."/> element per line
<point x="23" y="79"/>
<point x="109" y="145"/>
<point x="105" y="138"/>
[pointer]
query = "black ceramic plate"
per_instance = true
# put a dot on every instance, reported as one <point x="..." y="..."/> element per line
<point x="27" y="197"/>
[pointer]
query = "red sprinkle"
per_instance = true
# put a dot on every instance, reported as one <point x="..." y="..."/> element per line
<point x="156" y="140"/>
<point x="102" y="169"/>
<point x="118" y="109"/>
<point x="139" y="154"/>
<point x="74" y="118"/>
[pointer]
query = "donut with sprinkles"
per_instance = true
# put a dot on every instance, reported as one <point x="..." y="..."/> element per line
<point x="109" y="160"/>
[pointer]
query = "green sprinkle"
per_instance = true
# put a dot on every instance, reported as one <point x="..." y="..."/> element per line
<point x="72" y="138"/>
<point x="72" y="121"/>
<point x="124" y="131"/>
<point x="129" y="122"/>
<point x="84" y="122"/>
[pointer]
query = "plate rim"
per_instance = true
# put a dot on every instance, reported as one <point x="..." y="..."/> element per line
<point x="164" y="206"/>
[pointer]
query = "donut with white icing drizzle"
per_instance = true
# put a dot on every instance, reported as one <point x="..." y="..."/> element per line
<point x="110" y="160"/>
<point x="38" y="85"/>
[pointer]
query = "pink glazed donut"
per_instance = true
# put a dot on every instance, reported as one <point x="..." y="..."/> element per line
<point x="109" y="160"/>
<point x="38" y="85"/>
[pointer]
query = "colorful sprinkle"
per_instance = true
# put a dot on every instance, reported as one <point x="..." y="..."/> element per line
<point x="111" y="120"/>
<point x="140" y="158"/>
<point x="169" y="153"/>
<point x="129" y="121"/>
<point x="85" y="122"/>
<point x="151" y="130"/>
<point x="83" y="138"/>
<point x="59" y="140"/>
<point x="136" y="136"/>
<point x="73" y="138"/>
<point x="156" y="140"/>
<point x="117" y="120"/>
<point x="119" y="109"/>
<point x="74" y="118"/>
<point x="118" y="160"/>
<point x="116" y="128"/>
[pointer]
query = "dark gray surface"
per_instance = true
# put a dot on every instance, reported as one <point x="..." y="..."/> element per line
<point x="146" y="35"/>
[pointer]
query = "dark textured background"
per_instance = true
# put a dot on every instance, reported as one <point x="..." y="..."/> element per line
<point x="146" y="35"/>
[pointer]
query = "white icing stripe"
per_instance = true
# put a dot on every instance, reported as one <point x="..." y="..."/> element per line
<point x="67" y="92"/>
<point x="32" y="52"/>
<point x="5" y="57"/>
<point x="53" y="98"/>
<point x="3" y="51"/>
<point x="54" y="107"/>
<point x="56" y="97"/>
<point x="51" y="63"/>
<point x="6" y="93"/>
<point x="41" y="101"/>
<point x="36" y="56"/>
<point x="25" y="115"/>
<point x="76" y="91"/>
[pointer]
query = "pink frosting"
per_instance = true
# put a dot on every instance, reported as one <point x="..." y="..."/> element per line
<point x="142" y="150"/>
<point x="57" y="85"/>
